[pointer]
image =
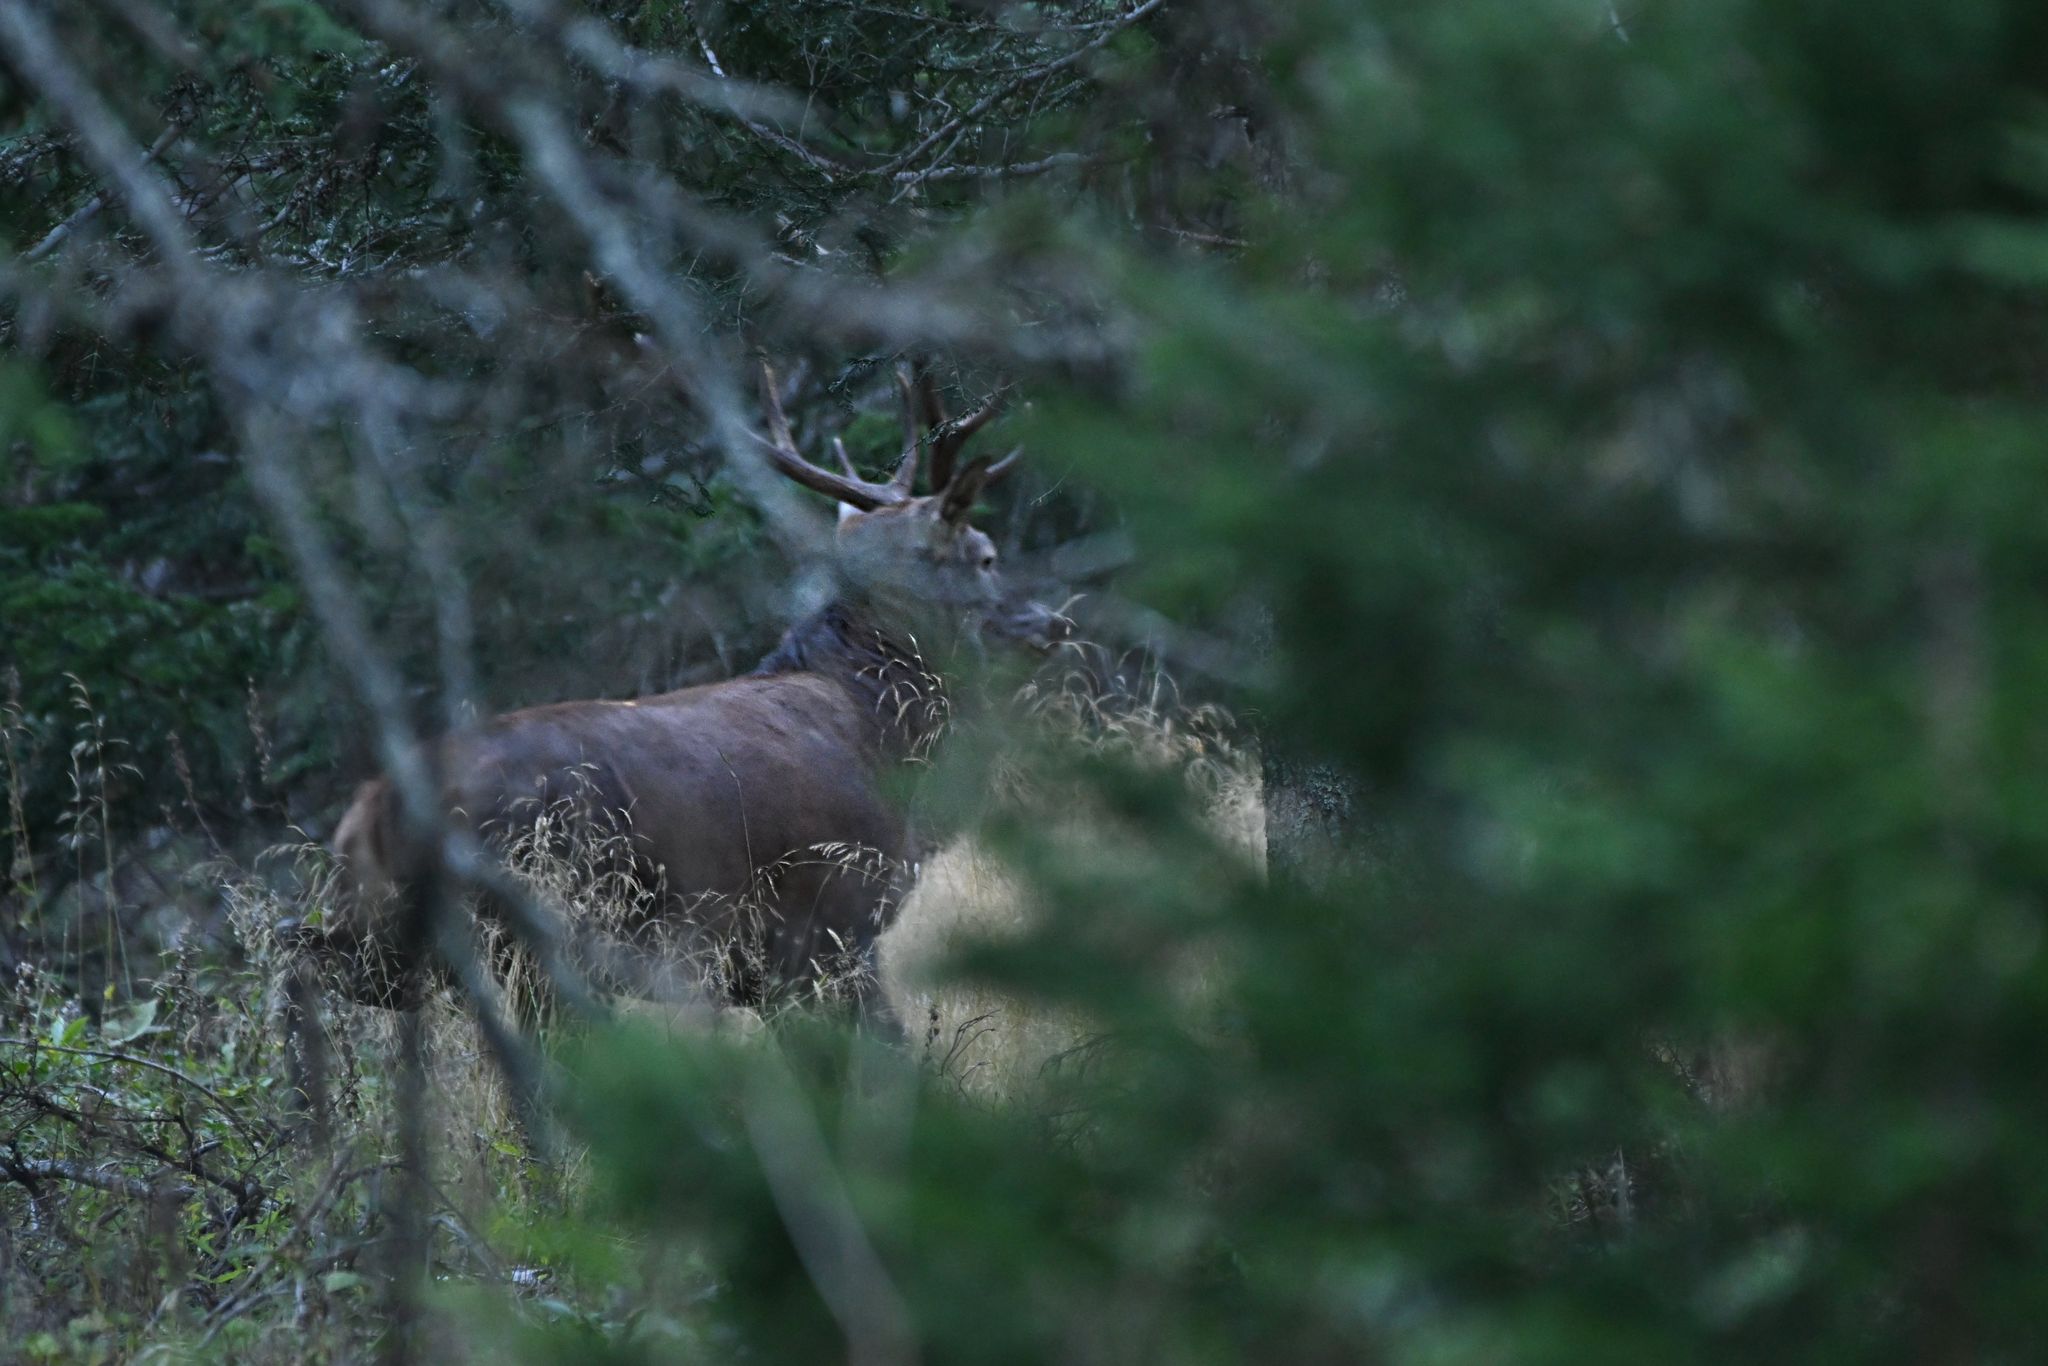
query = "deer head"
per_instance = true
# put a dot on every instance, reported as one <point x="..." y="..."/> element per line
<point x="913" y="558"/>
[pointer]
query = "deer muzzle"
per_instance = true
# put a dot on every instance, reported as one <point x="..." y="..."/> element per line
<point x="1029" y="623"/>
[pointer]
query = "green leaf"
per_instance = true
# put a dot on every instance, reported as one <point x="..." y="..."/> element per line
<point x="130" y="1022"/>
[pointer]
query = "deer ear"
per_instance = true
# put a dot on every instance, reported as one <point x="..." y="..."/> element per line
<point x="965" y="487"/>
<point x="847" y="512"/>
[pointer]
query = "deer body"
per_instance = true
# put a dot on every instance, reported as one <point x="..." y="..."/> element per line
<point x="762" y="797"/>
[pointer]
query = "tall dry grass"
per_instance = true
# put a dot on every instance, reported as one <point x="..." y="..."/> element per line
<point x="996" y="1046"/>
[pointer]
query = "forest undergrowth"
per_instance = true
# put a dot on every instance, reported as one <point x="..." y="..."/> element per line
<point x="200" y="1151"/>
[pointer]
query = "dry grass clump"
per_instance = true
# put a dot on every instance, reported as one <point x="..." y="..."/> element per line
<point x="340" y="1054"/>
<point x="625" y="934"/>
<point x="991" y="1044"/>
<point x="619" y="934"/>
<point x="996" y="1046"/>
<point x="1134" y="711"/>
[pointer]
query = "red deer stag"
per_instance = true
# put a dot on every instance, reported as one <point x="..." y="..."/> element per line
<point x="732" y="794"/>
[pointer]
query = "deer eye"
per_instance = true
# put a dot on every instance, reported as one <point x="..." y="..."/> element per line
<point x="988" y="562"/>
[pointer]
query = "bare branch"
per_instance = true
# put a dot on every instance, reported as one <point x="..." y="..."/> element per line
<point x="592" y="43"/>
<point x="87" y="211"/>
<point x="28" y="1171"/>
<point x="981" y="107"/>
<point x="40" y="63"/>
<point x="1015" y="170"/>
<point x="823" y="1225"/>
<point x="132" y="1060"/>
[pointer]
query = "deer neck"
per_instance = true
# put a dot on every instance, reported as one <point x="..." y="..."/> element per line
<point x="880" y="668"/>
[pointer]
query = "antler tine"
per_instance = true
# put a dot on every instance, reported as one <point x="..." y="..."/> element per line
<point x="780" y="444"/>
<point x="845" y="460"/>
<point x="949" y="440"/>
<point x="947" y="437"/>
<point x="935" y="422"/>
<point x="957" y="498"/>
<point x="956" y="434"/>
<point x="928" y="389"/>
<point x="1001" y="469"/>
<point x="905" y="477"/>
<point x="778" y="421"/>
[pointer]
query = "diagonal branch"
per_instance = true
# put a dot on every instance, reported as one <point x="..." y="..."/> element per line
<point x="27" y="1171"/>
<point x="90" y="209"/>
<point x="40" y="63"/>
<point x="109" y="1055"/>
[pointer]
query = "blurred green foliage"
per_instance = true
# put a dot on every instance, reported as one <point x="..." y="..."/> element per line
<point x="1638" y="440"/>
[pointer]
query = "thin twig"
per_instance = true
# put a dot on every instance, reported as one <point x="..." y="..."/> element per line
<point x="30" y="1170"/>
<point x="338" y="1178"/>
<point x="1016" y="170"/>
<point x="1009" y="88"/>
<point x="151" y="1064"/>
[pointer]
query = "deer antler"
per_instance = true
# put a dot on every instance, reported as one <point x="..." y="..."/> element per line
<point x="958" y="484"/>
<point x="906" y="467"/>
<point x="950" y="436"/>
<point x="848" y="488"/>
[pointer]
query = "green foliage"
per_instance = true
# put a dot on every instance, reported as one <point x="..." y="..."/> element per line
<point x="1634" y="443"/>
<point x="203" y="1172"/>
<point x="139" y="603"/>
